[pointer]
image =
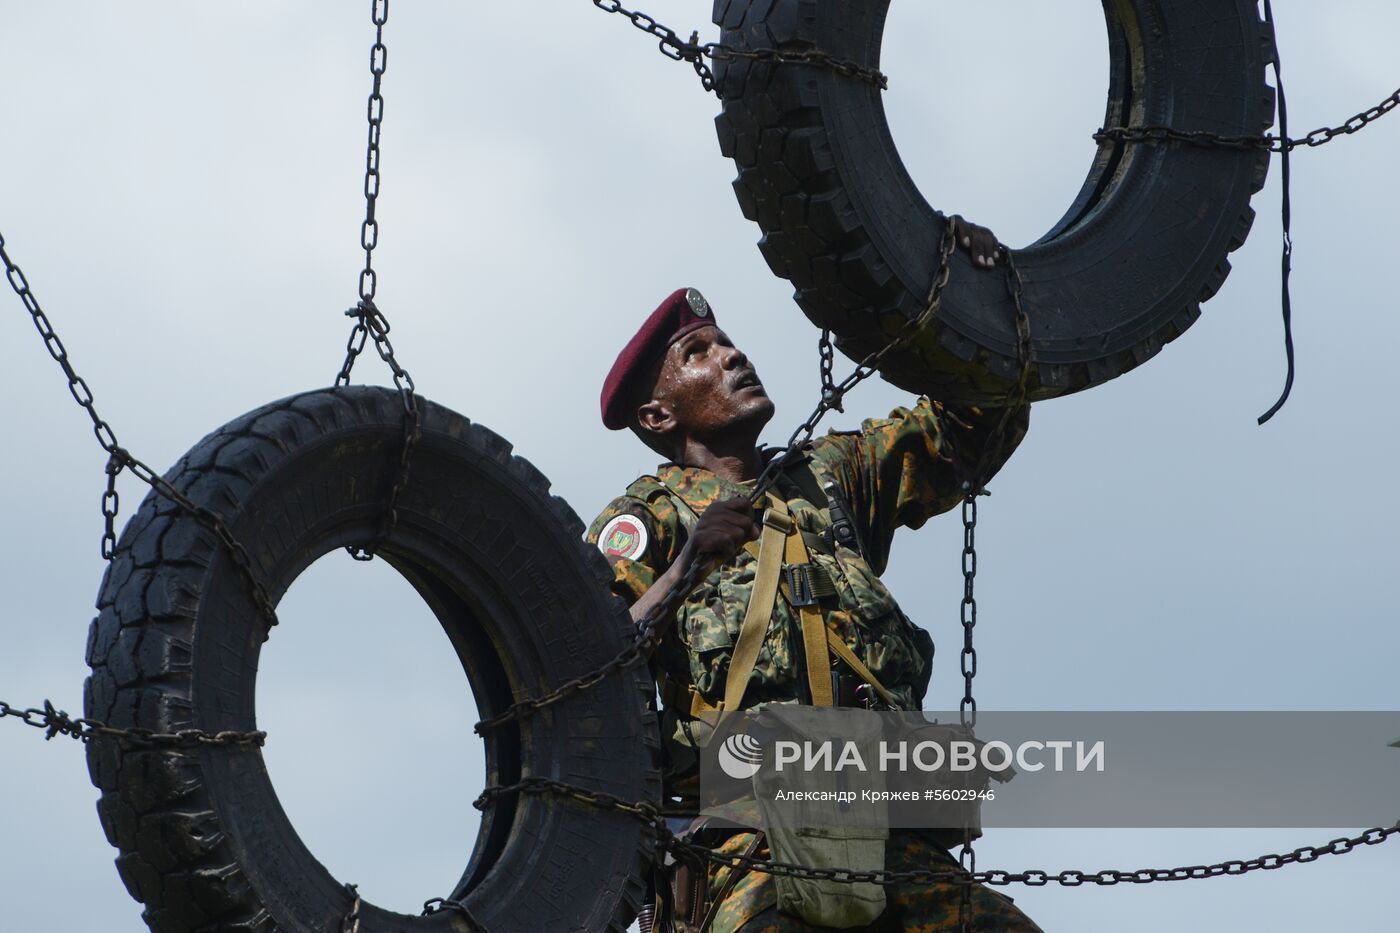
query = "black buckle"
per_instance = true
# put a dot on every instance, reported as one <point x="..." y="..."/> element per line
<point x="799" y="580"/>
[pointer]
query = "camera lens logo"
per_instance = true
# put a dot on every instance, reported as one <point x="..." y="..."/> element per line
<point x="740" y="756"/>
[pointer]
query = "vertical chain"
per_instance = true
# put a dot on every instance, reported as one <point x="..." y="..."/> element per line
<point x="971" y="489"/>
<point x="111" y="507"/>
<point x="967" y="709"/>
<point x="967" y="860"/>
<point x="827" y="355"/>
<point x="370" y="322"/>
<point x="369" y="227"/>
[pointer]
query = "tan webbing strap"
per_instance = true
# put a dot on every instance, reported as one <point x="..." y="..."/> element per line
<point x="844" y="652"/>
<point x="797" y="554"/>
<point x="813" y="630"/>
<point x="699" y="706"/>
<point x="776" y="526"/>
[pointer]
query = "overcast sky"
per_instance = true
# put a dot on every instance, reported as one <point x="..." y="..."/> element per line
<point x="181" y="183"/>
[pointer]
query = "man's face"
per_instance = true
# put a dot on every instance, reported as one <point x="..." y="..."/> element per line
<point x="710" y="387"/>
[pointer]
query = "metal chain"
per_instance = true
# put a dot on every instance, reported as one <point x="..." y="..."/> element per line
<point x="1157" y="133"/>
<point x="967" y="861"/>
<point x="118" y="458"/>
<point x="827" y="356"/>
<point x="56" y="722"/>
<point x="1015" y="399"/>
<point x="693" y="51"/>
<point x="111" y="507"/>
<point x="967" y="708"/>
<point x="370" y="322"/>
<point x="967" y="611"/>
<point x="1070" y="878"/>
<point x="650" y="815"/>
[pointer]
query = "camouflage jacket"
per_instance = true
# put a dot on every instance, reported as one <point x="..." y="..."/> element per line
<point x="894" y="472"/>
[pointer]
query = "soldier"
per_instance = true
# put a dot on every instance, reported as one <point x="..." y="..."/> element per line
<point x="833" y="634"/>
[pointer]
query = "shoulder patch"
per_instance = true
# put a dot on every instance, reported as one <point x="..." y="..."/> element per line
<point x="625" y="538"/>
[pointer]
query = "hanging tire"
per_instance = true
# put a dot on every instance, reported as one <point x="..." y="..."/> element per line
<point x="204" y="842"/>
<point x="1121" y="274"/>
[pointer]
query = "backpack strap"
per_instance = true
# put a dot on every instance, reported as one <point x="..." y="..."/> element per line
<point x="777" y="529"/>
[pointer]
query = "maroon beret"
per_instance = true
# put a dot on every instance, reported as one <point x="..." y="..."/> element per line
<point x="683" y="311"/>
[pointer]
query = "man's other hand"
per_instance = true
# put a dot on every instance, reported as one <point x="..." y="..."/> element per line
<point x="981" y="244"/>
<point x="723" y="529"/>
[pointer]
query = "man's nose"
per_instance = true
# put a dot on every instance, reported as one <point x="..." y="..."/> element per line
<point x="734" y="358"/>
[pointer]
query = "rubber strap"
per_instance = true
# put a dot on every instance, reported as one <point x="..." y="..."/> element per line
<point x="777" y="524"/>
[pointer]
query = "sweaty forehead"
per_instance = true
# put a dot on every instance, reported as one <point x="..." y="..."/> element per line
<point x="710" y="333"/>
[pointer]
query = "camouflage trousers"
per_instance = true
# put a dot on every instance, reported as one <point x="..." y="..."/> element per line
<point x="751" y="907"/>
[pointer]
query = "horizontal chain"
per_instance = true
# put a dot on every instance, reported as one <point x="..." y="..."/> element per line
<point x="1318" y="137"/>
<point x="55" y="722"/>
<point x="649" y="814"/>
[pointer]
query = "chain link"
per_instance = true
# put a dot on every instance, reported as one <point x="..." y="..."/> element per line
<point x="693" y="51"/>
<point x="118" y="458"/>
<point x="1158" y="133"/>
<point x="827" y="356"/>
<point x="55" y="722"/>
<point x="111" y="508"/>
<point x="967" y="707"/>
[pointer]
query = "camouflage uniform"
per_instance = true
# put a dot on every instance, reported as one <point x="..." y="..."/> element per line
<point x="894" y="472"/>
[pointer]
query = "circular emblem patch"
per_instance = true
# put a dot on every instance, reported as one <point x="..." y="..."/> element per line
<point x="624" y="537"/>
<point x="697" y="302"/>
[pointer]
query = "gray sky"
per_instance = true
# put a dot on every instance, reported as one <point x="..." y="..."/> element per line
<point x="181" y="183"/>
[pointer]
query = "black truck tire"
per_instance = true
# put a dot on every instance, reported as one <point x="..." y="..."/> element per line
<point x="203" y="841"/>
<point x="1122" y="273"/>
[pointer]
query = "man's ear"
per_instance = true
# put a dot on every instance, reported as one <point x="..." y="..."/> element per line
<point x="656" y="417"/>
